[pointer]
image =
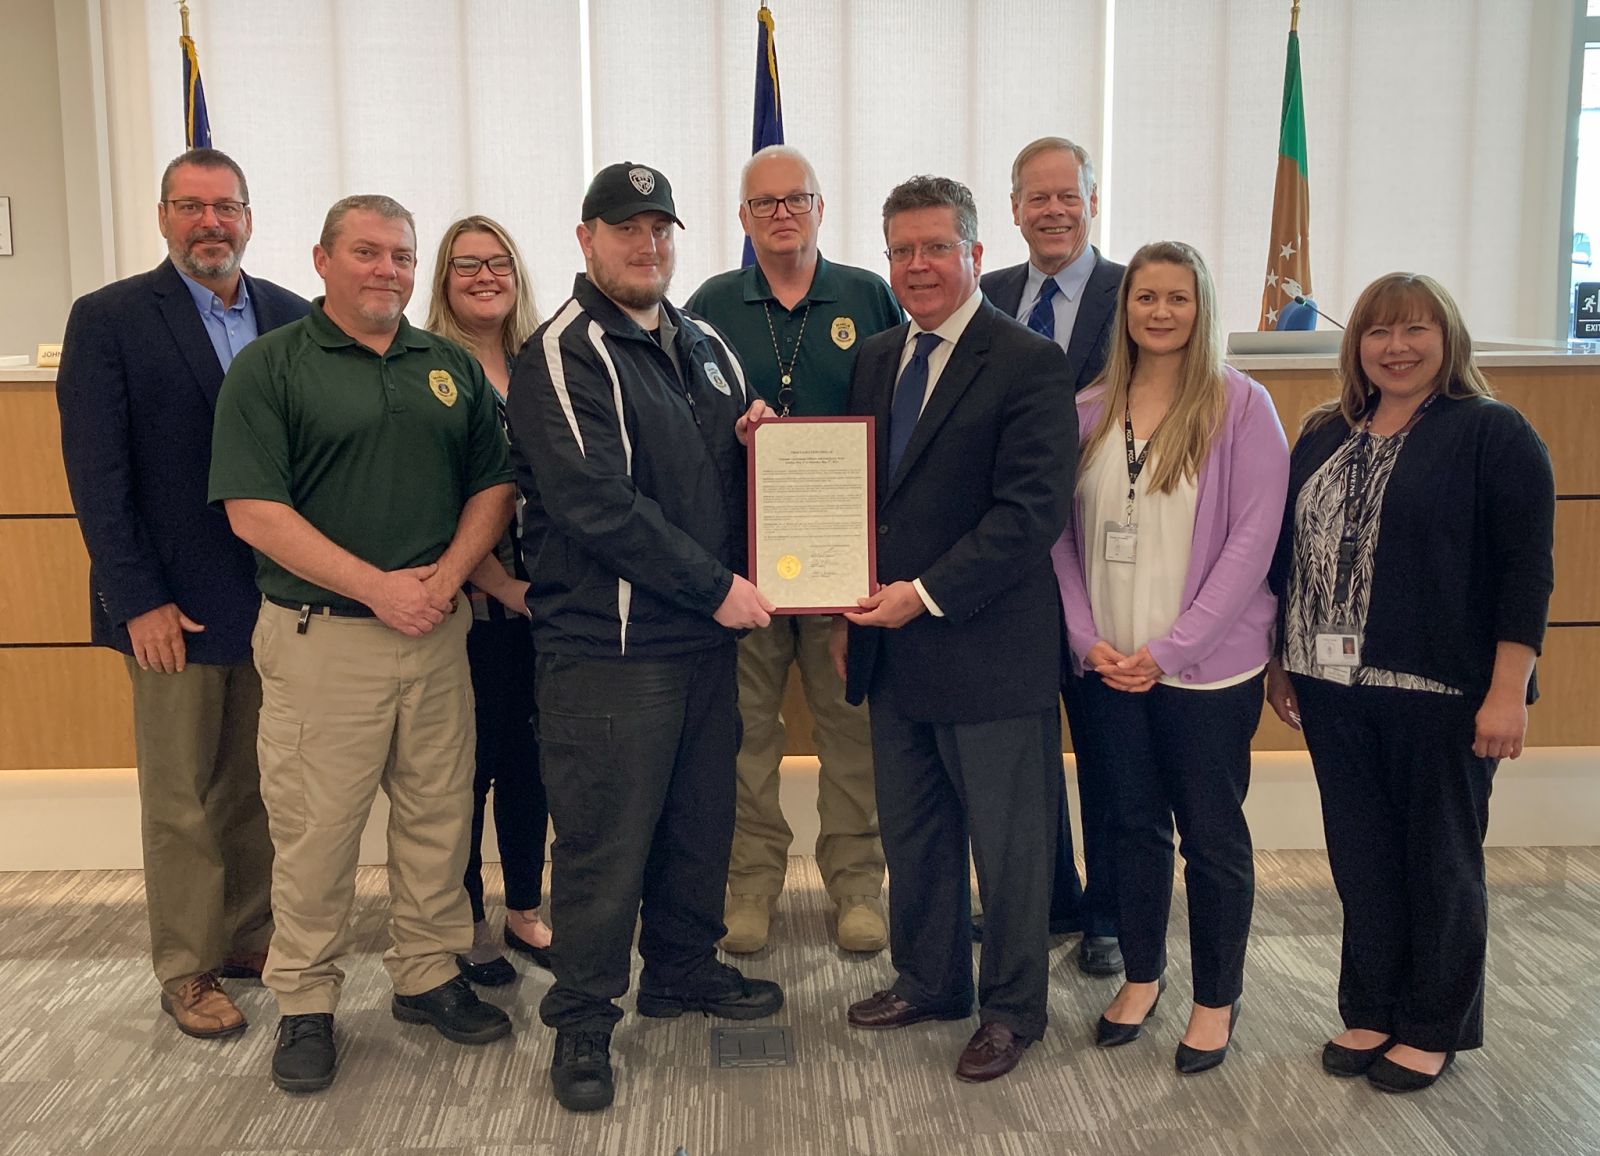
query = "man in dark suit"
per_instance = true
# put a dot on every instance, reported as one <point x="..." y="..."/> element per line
<point x="1067" y="291"/>
<point x="170" y="585"/>
<point x="959" y="649"/>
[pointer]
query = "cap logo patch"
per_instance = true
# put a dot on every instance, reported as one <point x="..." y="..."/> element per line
<point x="644" y="180"/>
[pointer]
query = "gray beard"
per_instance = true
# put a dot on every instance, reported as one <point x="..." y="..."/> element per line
<point x="210" y="270"/>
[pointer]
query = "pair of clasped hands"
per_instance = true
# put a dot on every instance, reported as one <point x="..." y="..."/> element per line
<point x="1135" y="673"/>
<point x="746" y="608"/>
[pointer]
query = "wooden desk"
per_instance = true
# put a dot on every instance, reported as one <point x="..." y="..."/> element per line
<point x="66" y="704"/>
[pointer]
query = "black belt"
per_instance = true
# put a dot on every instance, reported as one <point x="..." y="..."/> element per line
<point x="309" y="608"/>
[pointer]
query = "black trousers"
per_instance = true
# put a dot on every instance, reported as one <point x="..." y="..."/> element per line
<point x="1180" y="756"/>
<point x="1405" y="804"/>
<point x="939" y="784"/>
<point x="500" y="656"/>
<point x="638" y="759"/>
<point x="1092" y="904"/>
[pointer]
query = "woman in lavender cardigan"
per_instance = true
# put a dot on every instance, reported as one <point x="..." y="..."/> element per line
<point x="1183" y="470"/>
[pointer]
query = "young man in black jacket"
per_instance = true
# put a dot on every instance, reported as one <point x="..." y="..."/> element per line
<point x="623" y="413"/>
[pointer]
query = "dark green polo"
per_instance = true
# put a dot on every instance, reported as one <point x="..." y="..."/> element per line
<point x="843" y="307"/>
<point x="379" y="453"/>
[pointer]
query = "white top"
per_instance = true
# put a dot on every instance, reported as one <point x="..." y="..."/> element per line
<point x="1139" y="601"/>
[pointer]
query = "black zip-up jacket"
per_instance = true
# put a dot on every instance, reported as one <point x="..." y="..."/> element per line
<point x="635" y="484"/>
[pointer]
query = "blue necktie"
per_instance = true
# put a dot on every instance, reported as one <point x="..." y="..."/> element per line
<point x="1043" y="318"/>
<point x="908" y="394"/>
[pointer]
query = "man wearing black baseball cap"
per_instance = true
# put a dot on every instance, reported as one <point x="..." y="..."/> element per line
<point x="627" y="416"/>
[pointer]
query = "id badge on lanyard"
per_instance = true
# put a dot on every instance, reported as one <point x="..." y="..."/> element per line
<point x="1122" y="538"/>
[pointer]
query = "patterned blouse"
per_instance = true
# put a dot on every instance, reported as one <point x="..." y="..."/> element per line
<point x="1318" y="526"/>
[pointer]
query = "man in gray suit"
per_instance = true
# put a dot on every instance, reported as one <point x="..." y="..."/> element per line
<point x="1067" y="291"/>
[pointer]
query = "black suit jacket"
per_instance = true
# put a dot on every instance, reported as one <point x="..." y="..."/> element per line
<point x="1090" y="342"/>
<point x="981" y="495"/>
<point x="137" y="389"/>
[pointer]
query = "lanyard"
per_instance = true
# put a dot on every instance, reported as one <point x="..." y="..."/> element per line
<point x="1356" y="498"/>
<point x="1135" y="464"/>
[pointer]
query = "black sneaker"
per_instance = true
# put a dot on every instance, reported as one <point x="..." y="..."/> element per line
<point x="716" y="989"/>
<point x="455" y="1009"/>
<point x="580" y="1071"/>
<point x="305" y="1058"/>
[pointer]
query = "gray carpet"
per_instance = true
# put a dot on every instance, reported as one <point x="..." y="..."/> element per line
<point x="88" y="1064"/>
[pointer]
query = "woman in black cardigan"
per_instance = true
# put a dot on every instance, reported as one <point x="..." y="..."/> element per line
<point x="1413" y="573"/>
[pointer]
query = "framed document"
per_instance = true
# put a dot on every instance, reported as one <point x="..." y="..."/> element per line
<point x="812" y="504"/>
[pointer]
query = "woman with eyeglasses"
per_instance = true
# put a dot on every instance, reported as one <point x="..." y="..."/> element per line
<point x="1414" y="570"/>
<point x="483" y="300"/>
<point x="1163" y="573"/>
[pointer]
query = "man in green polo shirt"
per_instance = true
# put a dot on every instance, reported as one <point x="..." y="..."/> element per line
<point x="795" y="321"/>
<point x="362" y="459"/>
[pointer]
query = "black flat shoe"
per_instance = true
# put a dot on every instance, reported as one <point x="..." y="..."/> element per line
<point x="496" y="973"/>
<point x="1388" y="1076"/>
<point x="1100" y="955"/>
<point x="1192" y="1061"/>
<point x="539" y="955"/>
<point x="1110" y="1034"/>
<point x="1338" y="1060"/>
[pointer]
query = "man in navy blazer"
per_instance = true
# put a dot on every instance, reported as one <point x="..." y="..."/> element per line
<point x="1067" y="291"/>
<point x="170" y="586"/>
<point x="960" y="649"/>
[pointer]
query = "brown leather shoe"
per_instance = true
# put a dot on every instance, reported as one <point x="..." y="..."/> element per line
<point x="991" y="1052"/>
<point x="202" y="1009"/>
<point x="884" y="1009"/>
<point x="244" y="965"/>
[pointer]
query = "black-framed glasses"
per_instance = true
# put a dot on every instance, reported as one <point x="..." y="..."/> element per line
<point x="192" y="210"/>
<point x="798" y="204"/>
<point x="502" y="266"/>
<point x="931" y="251"/>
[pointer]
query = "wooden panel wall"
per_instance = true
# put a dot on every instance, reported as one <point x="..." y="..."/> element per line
<point x="65" y="704"/>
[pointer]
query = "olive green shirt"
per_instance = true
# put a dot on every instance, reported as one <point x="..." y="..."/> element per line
<point x="843" y="307"/>
<point x="379" y="453"/>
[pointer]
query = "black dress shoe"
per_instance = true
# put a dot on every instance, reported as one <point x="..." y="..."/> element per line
<point x="1110" y="1034"/>
<point x="1388" y="1076"/>
<point x="716" y="989"/>
<point x="1100" y="955"/>
<point x="1192" y="1061"/>
<point x="992" y="1051"/>
<point x="884" y="1009"/>
<point x="496" y="973"/>
<point x="539" y="955"/>
<point x="456" y="1011"/>
<point x="1338" y="1060"/>
<point x="305" y="1058"/>
<point x="580" y="1071"/>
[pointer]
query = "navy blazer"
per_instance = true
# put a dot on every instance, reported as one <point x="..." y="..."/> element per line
<point x="137" y="389"/>
<point x="981" y="495"/>
<point x="1090" y="342"/>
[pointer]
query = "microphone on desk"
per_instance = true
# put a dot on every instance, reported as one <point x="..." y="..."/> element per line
<point x="1302" y="299"/>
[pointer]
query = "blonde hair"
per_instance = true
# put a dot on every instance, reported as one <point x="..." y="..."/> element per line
<point x="1179" y="444"/>
<point x="519" y="323"/>
<point x="1392" y="298"/>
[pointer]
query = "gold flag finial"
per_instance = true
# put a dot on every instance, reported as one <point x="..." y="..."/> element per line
<point x="183" y="13"/>
<point x="1294" y="17"/>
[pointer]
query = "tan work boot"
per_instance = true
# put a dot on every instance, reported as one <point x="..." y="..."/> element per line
<point x="748" y="918"/>
<point x="860" y="925"/>
<point x="202" y="1009"/>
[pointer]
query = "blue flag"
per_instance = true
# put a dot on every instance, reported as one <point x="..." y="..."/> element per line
<point x="196" y="124"/>
<point x="768" y="127"/>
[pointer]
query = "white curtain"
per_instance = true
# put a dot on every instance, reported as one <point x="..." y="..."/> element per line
<point x="1430" y="124"/>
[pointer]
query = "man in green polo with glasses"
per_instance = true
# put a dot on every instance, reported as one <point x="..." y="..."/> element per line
<point x="795" y="321"/>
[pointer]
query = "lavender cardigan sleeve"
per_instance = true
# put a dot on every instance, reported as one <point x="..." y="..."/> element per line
<point x="1227" y="610"/>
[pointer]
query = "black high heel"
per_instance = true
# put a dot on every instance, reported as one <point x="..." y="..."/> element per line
<point x="1192" y="1061"/>
<point x="1109" y="1034"/>
<point x="539" y="955"/>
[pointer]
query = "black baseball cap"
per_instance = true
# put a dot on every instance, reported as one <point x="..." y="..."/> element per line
<point x="625" y="190"/>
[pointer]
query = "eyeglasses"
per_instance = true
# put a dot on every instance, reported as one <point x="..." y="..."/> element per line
<point x="798" y="204"/>
<point x="192" y="210"/>
<point x="502" y="266"/>
<point x="931" y="251"/>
